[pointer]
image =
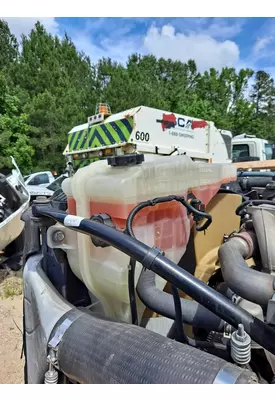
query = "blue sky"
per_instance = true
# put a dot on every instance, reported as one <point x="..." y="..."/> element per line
<point x="217" y="42"/>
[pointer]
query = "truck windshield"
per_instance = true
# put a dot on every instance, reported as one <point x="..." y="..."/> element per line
<point x="240" y="151"/>
<point x="269" y="151"/>
<point x="57" y="183"/>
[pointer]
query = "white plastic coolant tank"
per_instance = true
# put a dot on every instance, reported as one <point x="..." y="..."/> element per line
<point x="100" y="188"/>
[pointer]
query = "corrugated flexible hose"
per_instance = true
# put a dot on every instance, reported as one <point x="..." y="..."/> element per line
<point x="98" y="351"/>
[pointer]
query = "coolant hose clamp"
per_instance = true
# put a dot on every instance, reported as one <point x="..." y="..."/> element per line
<point x="60" y="329"/>
<point x="150" y="257"/>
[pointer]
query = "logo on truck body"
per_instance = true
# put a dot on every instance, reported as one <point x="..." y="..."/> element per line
<point x="170" y="121"/>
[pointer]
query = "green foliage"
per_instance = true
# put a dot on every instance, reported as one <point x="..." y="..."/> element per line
<point x="8" y="46"/>
<point x="48" y="87"/>
<point x="13" y="130"/>
<point x="56" y="86"/>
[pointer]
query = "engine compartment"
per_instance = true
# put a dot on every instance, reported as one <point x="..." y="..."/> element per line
<point x="163" y="318"/>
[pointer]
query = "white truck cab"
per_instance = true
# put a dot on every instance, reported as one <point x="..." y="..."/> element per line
<point x="42" y="179"/>
<point x="249" y="146"/>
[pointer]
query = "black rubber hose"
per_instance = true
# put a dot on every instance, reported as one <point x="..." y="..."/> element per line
<point x="96" y="351"/>
<point x="248" y="283"/>
<point x="183" y="338"/>
<point x="255" y="174"/>
<point x="260" y="332"/>
<point x="248" y="183"/>
<point x="129" y="230"/>
<point x="131" y="289"/>
<point x="215" y="302"/>
<point x="162" y="303"/>
<point x="239" y="210"/>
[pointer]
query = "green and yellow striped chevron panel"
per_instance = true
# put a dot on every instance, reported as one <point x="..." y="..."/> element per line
<point x="102" y="135"/>
<point x="83" y="163"/>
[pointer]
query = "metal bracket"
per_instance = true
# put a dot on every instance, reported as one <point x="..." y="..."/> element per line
<point x="227" y="331"/>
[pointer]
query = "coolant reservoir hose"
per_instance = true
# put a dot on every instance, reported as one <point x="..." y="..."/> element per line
<point x="260" y="332"/>
<point x="129" y="230"/>
<point x="166" y="199"/>
<point x="162" y="303"/>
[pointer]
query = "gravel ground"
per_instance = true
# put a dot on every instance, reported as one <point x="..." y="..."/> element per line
<point x="11" y="307"/>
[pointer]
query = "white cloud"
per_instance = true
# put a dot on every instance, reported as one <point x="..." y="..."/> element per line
<point x="117" y="50"/>
<point x="164" y="42"/>
<point x="204" y="49"/>
<point x="262" y="43"/>
<point x="83" y="43"/>
<point x="221" y="28"/>
<point x="202" y="41"/>
<point x="19" y="26"/>
<point x="225" y="28"/>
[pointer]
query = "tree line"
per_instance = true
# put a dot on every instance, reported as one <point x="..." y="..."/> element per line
<point x="47" y="86"/>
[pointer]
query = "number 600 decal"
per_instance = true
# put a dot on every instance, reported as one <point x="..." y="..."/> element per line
<point x="144" y="137"/>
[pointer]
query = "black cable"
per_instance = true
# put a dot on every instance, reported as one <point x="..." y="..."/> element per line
<point x="150" y="203"/>
<point x="178" y="315"/>
<point x="259" y="331"/>
<point x="183" y="338"/>
<point x="252" y="203"/>
<point x="132" y="287"/>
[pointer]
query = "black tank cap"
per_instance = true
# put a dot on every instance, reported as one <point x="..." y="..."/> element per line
<point x="125" y="160"/>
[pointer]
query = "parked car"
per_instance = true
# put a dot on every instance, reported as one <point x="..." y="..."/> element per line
<point x="42" y="179"/>
<point x="48" y="190"/>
